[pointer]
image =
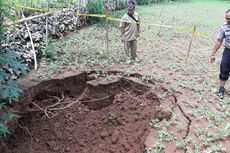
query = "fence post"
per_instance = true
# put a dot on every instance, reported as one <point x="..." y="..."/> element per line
<point x="32" y="43"/>
<point x="78" y="11"/>
<point x="107" y="27"/>
<point x="190" y="44"/>
<point x="47" y="28"/>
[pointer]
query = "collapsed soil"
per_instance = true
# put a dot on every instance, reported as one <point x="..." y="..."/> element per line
<point x="107" y="115"/>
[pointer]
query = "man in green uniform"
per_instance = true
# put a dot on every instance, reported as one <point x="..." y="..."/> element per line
<point x="130" y="31"/>
<point x="223" y="35"/>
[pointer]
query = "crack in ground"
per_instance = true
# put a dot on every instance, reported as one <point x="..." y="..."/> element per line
<point x="185" y="115"/>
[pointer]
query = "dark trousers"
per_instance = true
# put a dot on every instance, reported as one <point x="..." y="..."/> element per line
<point x="225" y="65"/>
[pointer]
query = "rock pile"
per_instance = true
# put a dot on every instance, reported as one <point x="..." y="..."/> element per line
<point x="58" y="25"/>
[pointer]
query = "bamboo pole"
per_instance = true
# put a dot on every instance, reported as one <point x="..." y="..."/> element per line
<point x="47" y="26"/>
<point x="69" y="4"/>
<point x="190" y="44"/>
<point x="161" y="20"/>
<point x="78" y="11"/>
<point x="28" y="19"/>
<point x="107" y="27"/>
<point x="32" y="44"/>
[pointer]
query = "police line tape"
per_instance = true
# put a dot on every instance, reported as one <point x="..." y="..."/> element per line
<point x="119" y="20"/>
<point x="30" y="8"/>
<point x="150" y="24"/>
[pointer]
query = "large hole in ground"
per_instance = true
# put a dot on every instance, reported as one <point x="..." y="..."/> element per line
<point x="85" y="114"/>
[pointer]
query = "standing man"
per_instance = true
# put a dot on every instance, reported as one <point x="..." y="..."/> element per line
<point x="130" y="31"/>
<point x="224" y="34"/>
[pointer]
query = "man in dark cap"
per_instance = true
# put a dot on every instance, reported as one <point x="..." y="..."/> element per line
<point x="130" y="31"/>
<point x="223" y="35"/>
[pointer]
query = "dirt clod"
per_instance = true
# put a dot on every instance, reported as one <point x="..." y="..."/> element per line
<point x="52" y="145"/>
<point x="115" y="136"/>
<point x="104" y="134"/>
<point x="163" y="115"/>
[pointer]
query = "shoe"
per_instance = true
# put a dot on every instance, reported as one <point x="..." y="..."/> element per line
<point x="137" y="60"/>
<point x="128" y="61"/>
<point x="220" y="94"/>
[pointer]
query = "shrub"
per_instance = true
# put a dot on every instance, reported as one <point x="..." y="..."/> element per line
<point x="10" y="67"/>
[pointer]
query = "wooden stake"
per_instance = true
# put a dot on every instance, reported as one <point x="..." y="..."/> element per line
<point x="47" y="28"/>
<point x="32" y="44"/>
<point x="190" y="44"/>
<point x="29" y="18"/>
<point x="107" y="27"/>
<point x="161" y="20"/>
<point x="78" y="11"/>
<point x="70" y="2"/>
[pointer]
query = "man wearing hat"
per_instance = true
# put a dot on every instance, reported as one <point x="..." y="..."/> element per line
<point x="224" y="35"/>
<point x="130" y="31"/>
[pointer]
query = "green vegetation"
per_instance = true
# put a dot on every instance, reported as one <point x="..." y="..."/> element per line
<point x="9" y="66"/>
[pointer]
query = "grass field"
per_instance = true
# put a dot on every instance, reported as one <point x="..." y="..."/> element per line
<point x="163" y="53"/>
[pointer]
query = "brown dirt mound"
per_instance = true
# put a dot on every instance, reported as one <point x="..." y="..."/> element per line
<point x="80" y="115"/>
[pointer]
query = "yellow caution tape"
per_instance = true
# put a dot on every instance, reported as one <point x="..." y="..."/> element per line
<point x="200" y="34"/>
<point x="30" y="8"/>
<point x="119" y="20"/>
<point x="93" y="15"/>
<point x="172" y="27"/>
<point x="158" y="25"/>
